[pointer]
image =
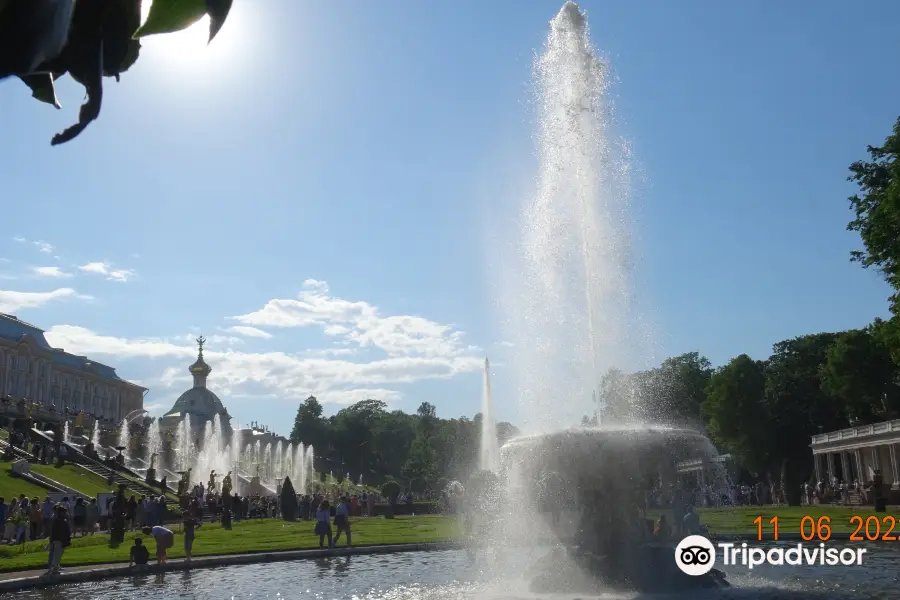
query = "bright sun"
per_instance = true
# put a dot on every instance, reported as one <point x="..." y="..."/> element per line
<point x="189" y="47"/>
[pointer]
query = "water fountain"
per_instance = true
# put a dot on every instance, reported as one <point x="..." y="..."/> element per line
<point x="124" y="437"/>
<point x="489" y="456"/>
<point x="566" y="298"/>
<point x="154" y="446"/>
<point x="571" y="315"/>
<point x="95" y="435"/>
<point x="66" y="432"/>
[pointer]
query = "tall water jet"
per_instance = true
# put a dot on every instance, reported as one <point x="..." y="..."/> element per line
<point x="277" y="461"/>
<point x="154" y="446"/>
<point x="569" y="296"/>
<point x="235" y="458"/>
<point x="124" y="439"/>
<point x="309" y="469"/>
<point x="490" y="448"/>
<point x="66" y="432"/>
<point x="299" y="474"/>
<point x="95" y="435"/>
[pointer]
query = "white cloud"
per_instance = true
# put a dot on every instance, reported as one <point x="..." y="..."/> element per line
<point x="102" y="268"/>
<point x="11" y="301"/>
<point x="51" y="272"/>
<point x="250" y="331"/>
<point x="332" y="352"/>
<point x="334" y="380"/>
<point x="316" y="285"/>
<point x="358" y="322"/>
<point x="42" y="246"/>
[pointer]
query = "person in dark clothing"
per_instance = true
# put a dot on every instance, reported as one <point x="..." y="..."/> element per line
<point x="60" y="537"/>
<point x="190" y="525"/>
<point x="139" y="556"/>
<point x="131" y="513"/>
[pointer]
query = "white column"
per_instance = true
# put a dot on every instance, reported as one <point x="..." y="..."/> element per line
<point x="817" y="462"/>
<point x="845" y="467"/>
<point x="830" y="465"/>
<point x="894" y="466"/>
<point x="860" y="467"/>
<point x="876" y="459"/>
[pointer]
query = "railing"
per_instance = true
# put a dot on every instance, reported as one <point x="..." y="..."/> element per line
<point x="862" y="431"/>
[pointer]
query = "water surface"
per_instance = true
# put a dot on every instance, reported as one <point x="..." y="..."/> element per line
<point x="451" y="575"/>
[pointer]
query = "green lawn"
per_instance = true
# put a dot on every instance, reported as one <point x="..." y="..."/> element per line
<point x="11" y="487"/>
<point x="741" y="520"/>
<point x="74" y="477"/>
<point x="245" y="536"/>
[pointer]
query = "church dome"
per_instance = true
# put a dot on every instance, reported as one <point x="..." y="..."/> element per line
<point x="199" y="401"/>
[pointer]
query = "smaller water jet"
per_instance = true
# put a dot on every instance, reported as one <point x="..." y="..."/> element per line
<point x="490" y="448"/>
<point x="124" y="438"/>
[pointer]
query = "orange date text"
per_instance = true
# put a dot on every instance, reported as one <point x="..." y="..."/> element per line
<point x="866" y="528"/>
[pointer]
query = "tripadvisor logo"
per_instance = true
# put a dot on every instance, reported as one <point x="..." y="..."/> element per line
<point x="695" y="555"/>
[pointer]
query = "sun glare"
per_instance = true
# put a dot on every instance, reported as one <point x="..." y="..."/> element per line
<point x="189" y="48"/>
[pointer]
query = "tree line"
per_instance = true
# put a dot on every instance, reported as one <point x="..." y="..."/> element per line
<point x="764" y="412"/>
<point x="420" y="451"/>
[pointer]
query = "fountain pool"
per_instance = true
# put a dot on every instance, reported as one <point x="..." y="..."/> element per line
<point x="451" y="575"/>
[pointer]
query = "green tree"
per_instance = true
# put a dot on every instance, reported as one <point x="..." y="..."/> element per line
<point x="877" y="220"/>
<point x="798" y="405"/>
<point x="352" y="432"/>
<point x="682" y="388"/>
<point x="735" y="411"/>
<point x="419" y="469"/>
<point x="860" y="373"/>
<point x="309" y="425"/>
<point x="393" y="434"/>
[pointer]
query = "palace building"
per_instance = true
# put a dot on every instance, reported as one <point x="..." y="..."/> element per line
<point x="55" y="382"/>
<point x="855" y="453"/>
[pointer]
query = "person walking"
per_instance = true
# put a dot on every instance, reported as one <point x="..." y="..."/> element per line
<point x="342" y="520"/>
<point x="323" y="524"/>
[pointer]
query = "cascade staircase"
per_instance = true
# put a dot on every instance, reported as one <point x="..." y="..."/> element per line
<point x="854" y="498"/>
<point x="18" y="453"/>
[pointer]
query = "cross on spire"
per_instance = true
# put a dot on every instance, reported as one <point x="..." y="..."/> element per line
<point x="200" y="341"/>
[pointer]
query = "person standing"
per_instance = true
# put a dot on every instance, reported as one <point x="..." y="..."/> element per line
<point x="190" y="524"/>
<point x="342" y="520"/>
<point x="60" y="538"/>
<point x="48" y="509"/>
<point x="323" y="524"/>
<point x="35" y="516"/>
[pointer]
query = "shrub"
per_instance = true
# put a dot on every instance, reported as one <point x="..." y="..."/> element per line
<point x="288" y="500"/>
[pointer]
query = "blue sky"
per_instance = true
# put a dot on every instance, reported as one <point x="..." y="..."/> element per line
<point x="357" y="146"/>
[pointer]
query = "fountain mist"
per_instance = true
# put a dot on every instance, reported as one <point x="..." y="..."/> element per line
<point x="569" y="296"/>
<point x="490" y="449"/>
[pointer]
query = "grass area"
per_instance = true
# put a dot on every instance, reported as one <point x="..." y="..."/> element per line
<point x="740" y="520"/>
<point x="74" y="477"/>
<point x="244" y="537"/>
<point x="11" y="487"/>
